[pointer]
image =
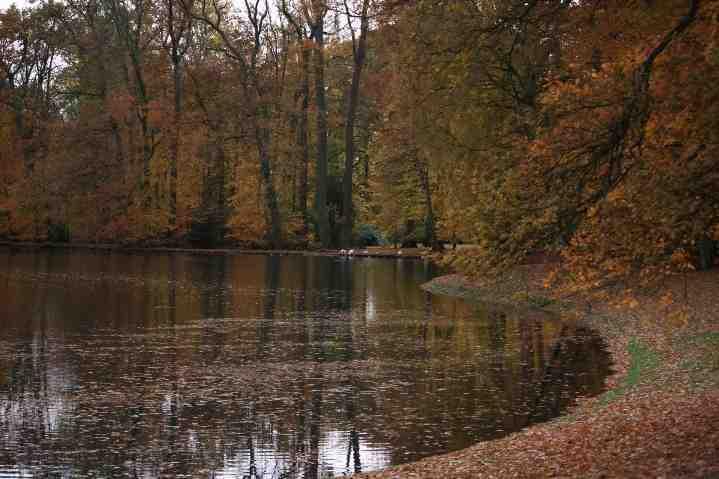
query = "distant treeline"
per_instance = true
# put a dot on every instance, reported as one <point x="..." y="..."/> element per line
<point x="582" y="128"/>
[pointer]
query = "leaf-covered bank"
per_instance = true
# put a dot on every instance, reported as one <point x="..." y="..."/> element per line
<point x="659" y="416"/>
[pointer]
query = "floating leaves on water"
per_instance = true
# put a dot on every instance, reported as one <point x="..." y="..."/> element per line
<point x="120" y="375"/>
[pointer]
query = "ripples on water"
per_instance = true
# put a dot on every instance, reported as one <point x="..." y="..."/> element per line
<point x="118" y="365"/>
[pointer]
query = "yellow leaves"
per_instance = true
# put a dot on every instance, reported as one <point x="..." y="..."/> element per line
<point x="158" y="114"/>
<point x="679" y="256"/>
<point x="678" y="318"/>
<point x="551" y="278"/>
<point x="681" y="259"/>
<point x="630" y="302"/>
<point x="248" y="222"/>
<point x="667" y="299"/>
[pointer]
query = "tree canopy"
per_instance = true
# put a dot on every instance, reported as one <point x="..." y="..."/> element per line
<point x="585" y="129"/>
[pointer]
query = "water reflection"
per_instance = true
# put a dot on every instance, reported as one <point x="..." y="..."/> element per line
<point x="261" y="367"/>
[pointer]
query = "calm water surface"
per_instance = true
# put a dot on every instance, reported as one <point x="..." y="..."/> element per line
<point x="175" y="365"/>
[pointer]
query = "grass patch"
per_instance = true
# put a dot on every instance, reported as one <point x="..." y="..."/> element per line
<point x="540" y="301"/>
<point x="643" y="360"/>
<point x="532" y="300"/>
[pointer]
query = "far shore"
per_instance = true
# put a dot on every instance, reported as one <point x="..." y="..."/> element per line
<point x="368" y="252"/>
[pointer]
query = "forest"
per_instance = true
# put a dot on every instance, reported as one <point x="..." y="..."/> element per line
<point x="583" y="128"/>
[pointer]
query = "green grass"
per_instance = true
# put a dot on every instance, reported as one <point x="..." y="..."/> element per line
<point x="540" y="301"/>
<point x="643" y="360"/>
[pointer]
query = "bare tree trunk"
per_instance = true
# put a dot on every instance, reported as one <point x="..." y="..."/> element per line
<point x="358" y="52"/>
<point x="707" y="252"/>
<point x="303" y="138"/>
<point x="321" y="212"/>
<point x="179" y="28"/>
<point x="146" y="157"/>
<point x="268" y="187"/>
<point x="143" y="113"/>
<point x="429" y="219"/>
<point x="175" y="142"/>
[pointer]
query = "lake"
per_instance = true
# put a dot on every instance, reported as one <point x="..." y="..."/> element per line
<point x="177" y="365"/>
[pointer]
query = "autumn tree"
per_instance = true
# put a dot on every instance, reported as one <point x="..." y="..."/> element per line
<point x="246" y="48"/>
<point x="176" y="32"/>
<point x="133" y="24"/>
<point x="359" y="52"/>
<point x="585" y="128"/>
<point x="299" y="118"/>
<point x="591" y="162"/>
<point x="97" y="119"/>
<point x="633" y="180"/>
<point x="30" y="43"/>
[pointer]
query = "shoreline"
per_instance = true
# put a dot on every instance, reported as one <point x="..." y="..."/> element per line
<point x="372" y="252"/>
<point x="659" y="415"/>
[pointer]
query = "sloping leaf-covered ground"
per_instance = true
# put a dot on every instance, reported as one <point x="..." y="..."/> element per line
<point x="659" y="418"/>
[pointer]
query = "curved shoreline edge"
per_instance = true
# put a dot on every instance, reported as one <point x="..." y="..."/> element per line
<point x="509" y="293"/>
<point x="658" y="417"/>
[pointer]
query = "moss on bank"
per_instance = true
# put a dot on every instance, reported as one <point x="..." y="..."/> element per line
<point x="643" y="361"/>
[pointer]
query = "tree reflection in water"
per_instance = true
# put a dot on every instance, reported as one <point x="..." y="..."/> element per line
<point x="262" y="367"/>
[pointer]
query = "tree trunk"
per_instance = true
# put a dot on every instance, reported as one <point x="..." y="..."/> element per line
<point x="178" y="45"/>
<point x="145" y="190"/>
<point x="302" y="138"/>
<point x="350" y="117"/>
<point x="268" y="187"/>
<point x="321" y="213"/>
<point x="220" y="197"/>
<point x="707" y="253"/>
<point x="143" y="116"/>
<point x="175" y="142"/>
<point x="429" y="219"/>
